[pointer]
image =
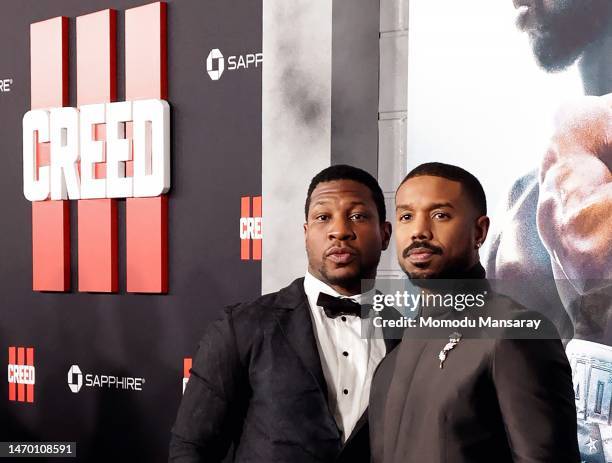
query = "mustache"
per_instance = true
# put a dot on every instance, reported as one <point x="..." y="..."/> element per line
<point x="421" y="245"/>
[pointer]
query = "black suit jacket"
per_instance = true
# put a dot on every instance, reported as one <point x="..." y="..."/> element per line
<point x="495" y="400"/>
<point x="257" y="383"/>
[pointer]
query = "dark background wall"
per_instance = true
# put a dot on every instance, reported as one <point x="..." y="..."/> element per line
<point x="216" y="159"/>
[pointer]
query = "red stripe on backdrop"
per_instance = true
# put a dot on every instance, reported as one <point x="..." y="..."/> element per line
<point x="97" y="218"/>
<point x="186" y="367"/>
<point x="147" y="240"/>
<point x="51" y="245"/>
<point x="146" y="52"/>
<point x="245" y="212"/>
<point x="20" y="387"/>
<point x="97" y="231"/>
<point x="50" y="219"/>
<point x="257" y="211"/>
<point x="30" y="362"/>
<point x="12" y="360"/>
<point x="146" y="218"/>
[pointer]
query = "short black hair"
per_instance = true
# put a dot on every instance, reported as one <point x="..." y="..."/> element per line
<point x="471" y="184"/>
<point x="346" y="172"/>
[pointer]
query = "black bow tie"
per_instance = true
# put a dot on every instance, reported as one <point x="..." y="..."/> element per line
<point x="336" y="306"/>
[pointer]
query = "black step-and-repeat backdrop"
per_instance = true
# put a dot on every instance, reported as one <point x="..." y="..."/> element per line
<point x="107" y="370"/>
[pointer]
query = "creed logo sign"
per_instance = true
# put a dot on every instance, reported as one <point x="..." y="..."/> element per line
<point x="98" y="151"/>
<point x="71" y="134"/>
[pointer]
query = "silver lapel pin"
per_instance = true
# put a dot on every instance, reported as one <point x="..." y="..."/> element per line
<point x="453" y="340"/>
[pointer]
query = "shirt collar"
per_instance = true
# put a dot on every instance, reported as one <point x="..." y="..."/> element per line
<point x="313" y="286"/>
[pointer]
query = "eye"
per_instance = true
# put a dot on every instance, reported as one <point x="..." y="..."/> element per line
<point x="321" y="217"/>
<point x="441" y="215"/>
<point x="405" y="217"/>
<point x="358" y="216"/>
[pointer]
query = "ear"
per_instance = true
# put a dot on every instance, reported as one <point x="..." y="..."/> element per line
<point x="305" y="229"/>
<point x="385" y="231"/>
<point x="482" y="228"/>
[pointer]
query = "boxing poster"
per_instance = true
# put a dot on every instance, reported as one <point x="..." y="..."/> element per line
<point x="519" y="93"/>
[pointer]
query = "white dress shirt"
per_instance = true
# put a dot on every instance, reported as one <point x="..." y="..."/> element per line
<point x="348" y="358"/>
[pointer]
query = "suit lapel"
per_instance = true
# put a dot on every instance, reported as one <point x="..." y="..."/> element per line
<point x="361" y="422"/>
<point x="296" y="325"/>
<point x="390" y="344"/>
<point x="392" y="336"/>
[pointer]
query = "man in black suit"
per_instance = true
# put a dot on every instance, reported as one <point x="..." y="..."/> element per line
<point x="461" y="400"/>
<point x="286" y="378"/>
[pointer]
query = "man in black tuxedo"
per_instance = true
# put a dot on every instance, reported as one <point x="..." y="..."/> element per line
<point x="286" y="378"/>
<point x="485" y="399"/>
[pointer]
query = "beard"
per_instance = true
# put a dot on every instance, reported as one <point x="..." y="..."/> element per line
<point x="347" y="280"/>
<point x="363" y="269"/>
<point x="566" y="29"/>
<point x="453" y="270"/>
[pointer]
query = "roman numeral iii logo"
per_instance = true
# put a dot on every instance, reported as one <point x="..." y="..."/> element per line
<point x="21" y="374"/>
<point x="99" y="152"/>
<point x="250" y="228"/>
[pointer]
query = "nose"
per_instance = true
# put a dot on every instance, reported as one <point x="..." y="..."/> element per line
<point x="340" y="229"/>
<point x="421" y="228"/>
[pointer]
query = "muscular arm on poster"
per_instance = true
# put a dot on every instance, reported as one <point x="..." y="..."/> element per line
<point x="533" y="381"/>
<point x="575" y="204"/>
<point x="212" y="407"/>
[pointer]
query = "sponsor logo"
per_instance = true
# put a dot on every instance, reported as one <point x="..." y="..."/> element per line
<point x="216" y="63"/>
<point x="186" y="367"/>
<point x="77" y="380"/>
<point x="21" y="374"/>
<point x="250" y="228"/>
<point x="5" y="85"/>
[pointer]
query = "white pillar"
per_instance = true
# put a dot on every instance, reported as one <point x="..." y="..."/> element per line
<point x="296" y="127"/>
